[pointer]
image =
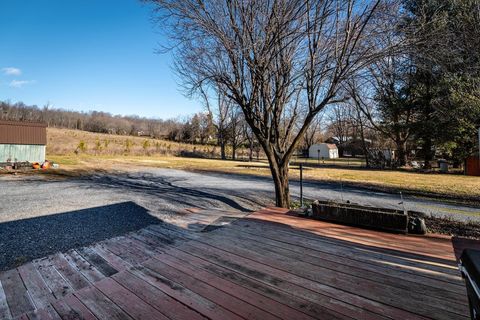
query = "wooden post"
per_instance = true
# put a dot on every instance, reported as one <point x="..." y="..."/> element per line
<point x="301" y="185"/>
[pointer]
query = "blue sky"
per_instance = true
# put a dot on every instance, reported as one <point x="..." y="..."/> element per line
<point x="87" y="55"/>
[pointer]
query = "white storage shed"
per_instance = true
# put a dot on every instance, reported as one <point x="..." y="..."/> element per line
<point x="323" y="151"/>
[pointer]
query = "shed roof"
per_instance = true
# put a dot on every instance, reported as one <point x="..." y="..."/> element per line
<point x="23" y="132"/>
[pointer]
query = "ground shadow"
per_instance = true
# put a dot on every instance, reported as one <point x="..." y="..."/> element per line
<point x="28" y="239"/>
<point x="166" y="189"/>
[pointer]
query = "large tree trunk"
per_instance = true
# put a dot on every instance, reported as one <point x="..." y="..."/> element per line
<point x="280" y="180"/>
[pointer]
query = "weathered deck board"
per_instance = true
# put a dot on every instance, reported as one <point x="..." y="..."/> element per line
<point x="101" y="306"/>
<point x="41" y="295"/>
<point x="4" y="310"/>
<point x="75" y="278"/>
<point x="16" y="294"/>
<point x="128" y="301"/>
<point x="170" y="307"/>
<point x="221" y="265"/>
<point x="229" y="302"/>
<point x="336" y="262"/>
<point x="356" y="284"/>
<point x="72" y="308"/>
<point x="54" y="280"/>
<point x="347" y="256"/>
<point x="195" y="301"/>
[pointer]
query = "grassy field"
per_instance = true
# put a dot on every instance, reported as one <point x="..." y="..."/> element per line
<point x="67" y="142"/>
<point x="457" y="186"/>
<point x="111" y="152"/>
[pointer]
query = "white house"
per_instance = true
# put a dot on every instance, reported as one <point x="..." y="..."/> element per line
<point x="323" y="151"/>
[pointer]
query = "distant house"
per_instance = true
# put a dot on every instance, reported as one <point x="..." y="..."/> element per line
<point x="323" y="151"/>
<point x="350" y="146"/>
<point x="22" y="141"/>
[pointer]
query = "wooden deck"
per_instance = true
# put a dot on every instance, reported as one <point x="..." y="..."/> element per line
<point x="267" y="265"/>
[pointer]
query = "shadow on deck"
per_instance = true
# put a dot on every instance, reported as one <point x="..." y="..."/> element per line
<point x="220" y="265"/>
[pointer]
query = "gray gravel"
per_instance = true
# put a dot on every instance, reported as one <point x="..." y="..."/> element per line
<point x="40" y="216"/>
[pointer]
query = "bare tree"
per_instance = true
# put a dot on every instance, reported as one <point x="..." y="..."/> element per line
<point x="279" y="61"/>
<point x="313" y="134"/>
<point x="219" y="108"/>
<point x="382" y="96"/>
<point x="341" y="122"/>
<point x="236" y="130"/>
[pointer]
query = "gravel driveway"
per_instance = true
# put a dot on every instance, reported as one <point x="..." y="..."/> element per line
<point x="39" y="216"/>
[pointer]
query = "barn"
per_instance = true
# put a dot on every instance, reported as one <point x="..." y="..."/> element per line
<point x="323" y="151"/>
<point x="22" y="141"/>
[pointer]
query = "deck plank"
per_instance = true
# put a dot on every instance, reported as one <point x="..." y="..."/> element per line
<point x="97" y="261"/>
<point x="38" y="290"/>
<point x="200" y="304"/>
<point x="16" y="294"/>
<point x="300" y="299"/>
<point x="227" y="301"/>
<point x="47" y="313"/>
<point x="4" y="309"/>
<point x="441" y="250"/>
<point x="342" y="266"/>
<point x="113" y="259"/>
<point x="170" y="307"/>
<point x="357" y="257"/>
<point x="288" y="283"/>
<point x="356" y="251"/>
<point x="329" y="293"/>
<point x="53" y="279"/>
<point x="100" y="305"/>
<point x="71" y="308"/>
<point x="89" y="271"/>
<point x="279" y="309"/>
<point x="128" y="301"/>
<point x="71" y="274"/>
<point x="388" y="295"/>
<point x="266" y="265"/>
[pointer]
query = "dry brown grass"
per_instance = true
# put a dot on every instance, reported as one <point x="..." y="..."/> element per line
<point x="62" y="144"/>
<point x="65" y="142"/>
<point x="436" y="184"/>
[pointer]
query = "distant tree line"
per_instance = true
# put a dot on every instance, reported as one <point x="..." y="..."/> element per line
<point x="200" y="128"/>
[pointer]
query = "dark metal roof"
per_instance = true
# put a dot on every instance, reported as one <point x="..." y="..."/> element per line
<point x="23" y="132"/>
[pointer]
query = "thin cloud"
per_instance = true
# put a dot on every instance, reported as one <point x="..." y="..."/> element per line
<point x="20" y="83"/>
<point x="11" y="71"/>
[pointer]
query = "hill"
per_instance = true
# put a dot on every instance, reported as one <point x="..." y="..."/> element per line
<point x="64" y="142"/>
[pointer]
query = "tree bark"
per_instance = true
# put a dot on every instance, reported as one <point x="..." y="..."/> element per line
<point x="282" y="189"/>
<point x="428" y="154"/>
<point x="221" y="142"/>
<point x="280" y="179"/>
<point x="250" y="150"/>
<point x="401" y="152"/>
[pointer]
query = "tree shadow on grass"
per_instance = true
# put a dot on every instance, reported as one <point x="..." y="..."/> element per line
<point x="24" y="240"/>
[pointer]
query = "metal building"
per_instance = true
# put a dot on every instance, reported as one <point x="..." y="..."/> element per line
<point x="22" y="141"/>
